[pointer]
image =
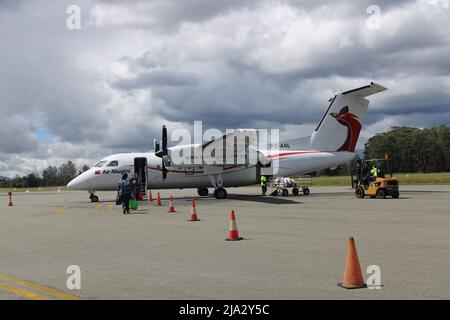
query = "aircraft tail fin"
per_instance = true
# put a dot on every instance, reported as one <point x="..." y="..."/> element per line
<point x="339" y="128"/>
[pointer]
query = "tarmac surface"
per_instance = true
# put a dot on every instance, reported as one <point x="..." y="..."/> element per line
<point x="294" y="247"/>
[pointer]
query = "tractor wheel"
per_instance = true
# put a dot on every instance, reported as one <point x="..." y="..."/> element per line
<point x="285" y="192"/>
<point x="395" y="195"/>
<point x="306" y="191"/>
<point x="295" y="191"/>
<point x="381" y="194"/>
<point x="359" y="192"/>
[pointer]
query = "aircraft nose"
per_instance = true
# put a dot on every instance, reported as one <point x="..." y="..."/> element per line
<point x="79" y="183"/>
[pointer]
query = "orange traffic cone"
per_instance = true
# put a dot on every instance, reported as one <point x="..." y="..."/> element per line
<point x="353" y="278"/>
<point x="149" y="197"/>
<point x="158" y="200"/>
<point x="233" y="233"/>
<point x="171" y="207"/>
<point x="10" y="204"/>
<point x="193" y="216"/>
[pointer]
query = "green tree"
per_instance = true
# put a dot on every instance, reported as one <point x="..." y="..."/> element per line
<point x="66" y="172"/>
<point x="412" y="149"/>
<point x="32" y="180"/>
<point x="17" y="182"/>
<point x="50" y="176"/>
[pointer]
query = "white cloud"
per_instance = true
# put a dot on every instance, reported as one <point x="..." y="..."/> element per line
<point x="138" y="64"/>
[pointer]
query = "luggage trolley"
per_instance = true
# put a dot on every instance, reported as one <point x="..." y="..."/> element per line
<point x="281" y="186"/>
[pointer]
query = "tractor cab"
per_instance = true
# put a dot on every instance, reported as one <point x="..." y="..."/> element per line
<point x="374" y="178"/>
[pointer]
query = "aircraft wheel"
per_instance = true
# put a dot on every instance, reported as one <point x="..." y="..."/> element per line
<point x="94" y="198"/>
<point x="220" y="193"/>
<point x="202" y="192"/>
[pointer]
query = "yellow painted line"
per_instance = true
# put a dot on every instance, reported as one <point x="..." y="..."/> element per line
<point x="35" y="286"/>
<point x="59" y="210"/>
<point x="21" y="292"/>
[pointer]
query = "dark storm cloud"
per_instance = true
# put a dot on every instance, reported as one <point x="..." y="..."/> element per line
<point x="259" y="92"/>
<point x="167" y="15"/>
<point x="157" y="78"/>
<point x="10" y="4"/>
<point x="17" y="135"/>
<point x="138" y="64"/>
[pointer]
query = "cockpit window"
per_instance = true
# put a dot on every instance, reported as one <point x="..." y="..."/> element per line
<point x="100" y="164"/>
<point x="113" y="163"/>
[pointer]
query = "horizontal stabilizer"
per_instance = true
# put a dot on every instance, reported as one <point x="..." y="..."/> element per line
<point x="365" y="91"/>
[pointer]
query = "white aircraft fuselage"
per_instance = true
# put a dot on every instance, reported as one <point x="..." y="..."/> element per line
<point x="291" y="162"/>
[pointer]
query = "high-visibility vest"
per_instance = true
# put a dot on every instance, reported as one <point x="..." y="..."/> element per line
<point x="374" y="172"/>
<point x="263" y="180"/>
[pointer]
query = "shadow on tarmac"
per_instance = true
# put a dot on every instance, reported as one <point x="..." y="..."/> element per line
<point x="254" y="198"/>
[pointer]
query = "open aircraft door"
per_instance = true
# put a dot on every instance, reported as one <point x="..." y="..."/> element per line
<point x="141" y="172"/>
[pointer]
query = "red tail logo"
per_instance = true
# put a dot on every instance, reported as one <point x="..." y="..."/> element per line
<point x="353" y="125"/>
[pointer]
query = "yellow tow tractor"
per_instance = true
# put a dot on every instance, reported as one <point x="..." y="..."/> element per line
<point x="374" y="178"/>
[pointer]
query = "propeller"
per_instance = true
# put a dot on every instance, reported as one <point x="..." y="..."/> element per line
<point x="156" y="145"/>
<point x="163" y="154"/>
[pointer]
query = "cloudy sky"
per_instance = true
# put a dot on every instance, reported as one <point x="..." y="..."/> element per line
<point x="134" y="65"/>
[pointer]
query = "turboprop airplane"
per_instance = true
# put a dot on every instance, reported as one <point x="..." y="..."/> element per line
<point x="331" y="144"/>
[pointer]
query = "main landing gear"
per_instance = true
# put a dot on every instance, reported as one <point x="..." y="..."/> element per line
<point x="217" y="182"/>
<point x="202" y="192"/>
<point x="220" y="193"/>
<point x="92" y="196"/>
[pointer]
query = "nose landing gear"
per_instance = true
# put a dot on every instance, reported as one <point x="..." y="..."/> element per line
<point x="92" y="196"/>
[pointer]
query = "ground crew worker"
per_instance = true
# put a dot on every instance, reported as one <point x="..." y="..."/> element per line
<point x="125" y="193"/>
<point x="263" y="185"/>
<point x="374" y="173"/>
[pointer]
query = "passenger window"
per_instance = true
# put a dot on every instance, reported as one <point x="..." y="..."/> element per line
<point x="113" y="163"/>
<point x="100" y="164"/>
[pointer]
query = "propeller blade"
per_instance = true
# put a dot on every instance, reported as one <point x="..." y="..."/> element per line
<point x="164" y="162"/>
<point x="163" y="146"/>
<point x="164" y="140"/>
<point x="161" y="151"/>
<point x="164" y="172"/>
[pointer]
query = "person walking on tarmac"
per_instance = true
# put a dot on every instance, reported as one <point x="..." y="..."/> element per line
<point x="263" y="185"/>
<point x="125" y="193"/>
